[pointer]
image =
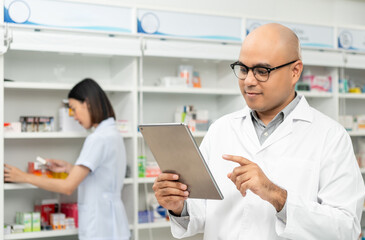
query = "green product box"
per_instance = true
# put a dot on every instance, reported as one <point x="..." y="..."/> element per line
<point x="26" y="218"/>
<point x="36" y="222"/>
<point x="17" y="217"/>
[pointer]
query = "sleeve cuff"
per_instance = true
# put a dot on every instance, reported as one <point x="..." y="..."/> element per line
<point x="282" y="214"/>
<point x="183" y="219"/>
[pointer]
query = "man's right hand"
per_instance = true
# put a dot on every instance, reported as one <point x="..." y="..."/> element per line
<point x="170" y="193"/>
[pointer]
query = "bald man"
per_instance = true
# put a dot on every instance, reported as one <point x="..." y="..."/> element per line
<point x="286" y="170"/>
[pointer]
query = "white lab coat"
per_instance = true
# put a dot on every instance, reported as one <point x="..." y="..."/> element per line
<point x="309" y="155"/>
<point x="101" y="211"/>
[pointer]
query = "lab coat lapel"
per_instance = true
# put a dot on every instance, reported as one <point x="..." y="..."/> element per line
<point x="302" y="112"/>
<point x="248" y="132"/>
<point x="284" y="129"/>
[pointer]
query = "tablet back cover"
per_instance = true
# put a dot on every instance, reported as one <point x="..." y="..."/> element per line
<point x="175" y="151"/>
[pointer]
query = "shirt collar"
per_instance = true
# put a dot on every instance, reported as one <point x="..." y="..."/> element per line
<point x="105" y="123"/>
<point x="302" y="110"/>
<point x="283" y="113"/>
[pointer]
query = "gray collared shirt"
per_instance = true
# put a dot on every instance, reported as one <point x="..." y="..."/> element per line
<point x="263" y="132"/>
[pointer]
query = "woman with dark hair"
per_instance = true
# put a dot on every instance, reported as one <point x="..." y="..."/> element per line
<point x="98" y="172"/>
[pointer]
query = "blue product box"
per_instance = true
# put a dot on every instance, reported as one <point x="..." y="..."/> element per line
<point x="145" y="216"/>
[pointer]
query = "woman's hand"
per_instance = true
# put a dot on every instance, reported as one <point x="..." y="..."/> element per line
<point x="58" y="165"/>
<point x="13" y="174"/>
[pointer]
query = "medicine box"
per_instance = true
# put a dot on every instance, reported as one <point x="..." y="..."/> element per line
<point x="46" y="207"/>
<point x="25" y="219"/>
<point x="145" y="216"/>
<point x="71" y="211"/>
<point x="37" y="124"/>
<point x="319" y="83"/>
<point x="36" y="222"/>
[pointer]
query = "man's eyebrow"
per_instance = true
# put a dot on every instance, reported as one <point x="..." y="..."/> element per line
<point x="257" y="65"/>
<point x="262" y="65"/>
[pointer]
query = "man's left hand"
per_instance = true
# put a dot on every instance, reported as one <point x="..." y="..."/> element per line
<point x="249" y="176"/>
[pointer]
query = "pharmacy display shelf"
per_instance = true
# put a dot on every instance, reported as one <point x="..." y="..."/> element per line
<point x="65" y="41"/>
<point x="46" y="135"/>
<point x="200" y="91"/>
<point x="21" y="186"/>
<point x="213" y="91"/>
<point x="316" y="94"/>
<point x="154" y="225"/>
<point x="42" y="234"/>
<point x="352" y="95"/>
<point x="360" y="133"/>
<point x="59" y="86"/>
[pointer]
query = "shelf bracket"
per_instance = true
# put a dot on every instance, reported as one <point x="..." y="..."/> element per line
<point x="8" y="39"/>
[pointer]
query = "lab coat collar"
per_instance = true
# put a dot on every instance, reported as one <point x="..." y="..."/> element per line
<point x="105" y="123"/>
<point x="302" y="112"/>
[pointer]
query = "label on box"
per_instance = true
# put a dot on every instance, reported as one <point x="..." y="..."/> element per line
<point x="79" y="15"/>
<point x="309" y="35"/>
<point x="189" y="25"/>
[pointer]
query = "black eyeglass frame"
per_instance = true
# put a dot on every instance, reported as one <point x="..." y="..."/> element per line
<point x="238" y="63"/>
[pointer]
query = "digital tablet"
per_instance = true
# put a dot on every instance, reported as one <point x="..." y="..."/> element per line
<point x="175" y="151"/>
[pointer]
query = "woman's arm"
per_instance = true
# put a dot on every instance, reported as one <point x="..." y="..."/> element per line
<point x="64" y="186"/>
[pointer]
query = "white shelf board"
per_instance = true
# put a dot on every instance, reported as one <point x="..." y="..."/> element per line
<point x="22" y="186"/>
<point x="355" y="60"/>
<point x="357" y="133"/>
<point x="64" y="41"/>
<point x="146" y="180"/>
<point x="207" y="91"/>
<point x="128" y="180"/>
<point x="195" y="134"/>
<point x="42" y="234"/>
<point x="352" y="95"/>
<point x="154" y="225"/>
<point x="175" y="48"/>
<point x="58" y="86"/>
<point x="33" y="135"/>
<point x="325" y="58"/>
<point x="315" y="94"/>
<point x="57" y="135"/>
<point x="18" y="186"/>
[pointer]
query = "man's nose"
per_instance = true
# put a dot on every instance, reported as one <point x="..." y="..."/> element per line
<point x="250" y="79"/>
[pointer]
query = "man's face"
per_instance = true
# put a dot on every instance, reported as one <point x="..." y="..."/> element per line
<point x="274" y="94"/>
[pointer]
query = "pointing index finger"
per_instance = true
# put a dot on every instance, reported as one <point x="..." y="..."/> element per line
<point x="240" y="160"/>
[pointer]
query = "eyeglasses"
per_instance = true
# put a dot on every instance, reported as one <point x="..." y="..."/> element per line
<point x="261" y="73"/>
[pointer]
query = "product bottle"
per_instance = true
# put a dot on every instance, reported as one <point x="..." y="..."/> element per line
<point x="141" y="166"/>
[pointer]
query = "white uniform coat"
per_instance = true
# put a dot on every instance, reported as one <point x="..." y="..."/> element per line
<point x="309" y="155"/>
<point x="101" y="211"/>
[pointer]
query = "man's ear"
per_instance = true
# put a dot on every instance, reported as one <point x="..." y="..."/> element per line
<point x="297" y="69"/>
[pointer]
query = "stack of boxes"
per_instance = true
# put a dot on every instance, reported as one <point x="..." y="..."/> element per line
<point x="30" y="221"/>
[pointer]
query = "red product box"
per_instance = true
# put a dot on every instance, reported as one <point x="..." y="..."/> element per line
<point x="46" y="207"/>
<point x="71" y="211"/>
